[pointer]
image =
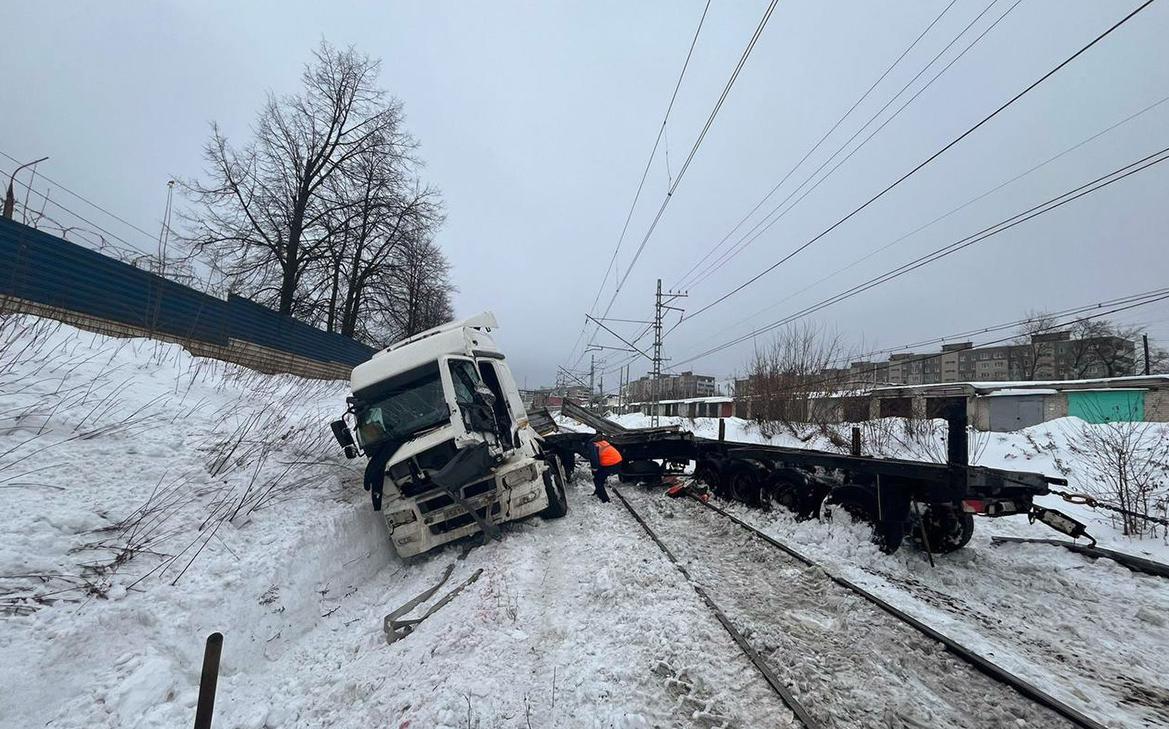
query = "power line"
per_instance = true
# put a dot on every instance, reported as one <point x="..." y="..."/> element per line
<point x="1127" y="304"/>
<point x="652" y="153"/>
<point x="644" y="174"/>
<point x="768" y="221"/>
<point x="992" y="230"/>
<point x="922" y="164"/>
<point x="694" y="149"/>
<point x="819" y="142"/>
<point x="1123" y="301"/>
<point x="957" y="209"/>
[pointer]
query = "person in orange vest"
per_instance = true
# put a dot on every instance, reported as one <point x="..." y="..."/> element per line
<point x="604" y="460"/>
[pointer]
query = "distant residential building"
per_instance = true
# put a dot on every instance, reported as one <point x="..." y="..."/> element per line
<point x="670" y="387"/>
<point x="553" y="397"/>
<point x="1053" y="356"/>
<point x="1050" y="357"/>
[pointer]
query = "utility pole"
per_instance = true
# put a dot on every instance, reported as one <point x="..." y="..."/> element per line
<point x="592" y="377"/>
<point x="1145" y="338"/>
<point x="660" y="304"/>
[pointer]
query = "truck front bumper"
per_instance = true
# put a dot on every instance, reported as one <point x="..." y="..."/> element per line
<point x="513" y="491"/>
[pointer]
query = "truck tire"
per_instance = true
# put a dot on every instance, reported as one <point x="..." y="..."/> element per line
<point x="947" y="528"/>
<point x="554" y="487"/>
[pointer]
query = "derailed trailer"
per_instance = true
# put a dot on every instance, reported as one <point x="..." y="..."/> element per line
<point x="932" y="503"/>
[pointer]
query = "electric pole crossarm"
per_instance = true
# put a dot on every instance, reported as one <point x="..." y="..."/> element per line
<point x="623" y="339"/>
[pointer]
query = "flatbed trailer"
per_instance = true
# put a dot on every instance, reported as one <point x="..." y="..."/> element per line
<point x="932" y="503"/>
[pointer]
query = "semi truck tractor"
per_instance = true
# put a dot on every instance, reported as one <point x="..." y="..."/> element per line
<point x="449" y="448"/>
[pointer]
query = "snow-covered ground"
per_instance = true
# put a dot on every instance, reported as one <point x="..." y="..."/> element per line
<point x="148" y="498"/>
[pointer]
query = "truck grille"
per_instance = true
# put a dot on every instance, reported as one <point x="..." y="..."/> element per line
<point x="441" y="501"/>
<point x="463" y="520"/>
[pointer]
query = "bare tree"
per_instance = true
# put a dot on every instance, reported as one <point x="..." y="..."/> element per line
<point x="1125" y="463"/>
<point x="414" y="297"/>
<point x="1104" y="347"/>
<point x="1034" y="349"/>
<point x="261" y="211"/>
<point x="803" y="360"/>
<point x="381" y="212"/>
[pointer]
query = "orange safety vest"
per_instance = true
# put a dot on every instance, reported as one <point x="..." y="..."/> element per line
<point x="607" y="455"/>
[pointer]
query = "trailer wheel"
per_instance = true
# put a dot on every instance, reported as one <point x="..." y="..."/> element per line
<point x="649" y="472"/>
<point x="747" y="485"/>
<point x="947" y="528"/>
<point x="707" y="473"/>
<point x="554" y="487"/>
<point x="861" y="504"/>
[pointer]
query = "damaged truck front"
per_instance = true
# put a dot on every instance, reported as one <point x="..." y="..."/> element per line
<point x="449" y="447"/>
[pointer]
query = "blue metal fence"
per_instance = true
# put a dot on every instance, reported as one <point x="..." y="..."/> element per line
<point x="51" y="271"/>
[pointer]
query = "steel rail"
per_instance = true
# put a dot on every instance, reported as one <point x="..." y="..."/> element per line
<point x="977" y="661"/>
<point x="748" y="650"/>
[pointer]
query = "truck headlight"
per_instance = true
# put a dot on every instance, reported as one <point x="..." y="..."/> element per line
<point x="400" y="518"/>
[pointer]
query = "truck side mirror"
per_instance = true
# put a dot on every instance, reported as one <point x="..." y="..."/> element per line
<point x="344" y="438"/>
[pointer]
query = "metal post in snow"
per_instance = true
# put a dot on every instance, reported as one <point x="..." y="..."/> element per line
<point x="207" y="682"/>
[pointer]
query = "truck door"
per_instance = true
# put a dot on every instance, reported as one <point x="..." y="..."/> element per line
<point x="503" y="406"/>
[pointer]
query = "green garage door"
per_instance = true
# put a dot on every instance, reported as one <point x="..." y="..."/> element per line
<point x="1107" y="406"/>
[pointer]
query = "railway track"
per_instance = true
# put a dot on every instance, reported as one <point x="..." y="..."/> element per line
<point x="836" y="654"/>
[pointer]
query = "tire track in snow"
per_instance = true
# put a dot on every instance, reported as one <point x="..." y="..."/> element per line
<point x="849" y="663"/>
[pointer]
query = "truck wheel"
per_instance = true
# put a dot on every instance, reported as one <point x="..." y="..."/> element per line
<point x="554" y="487"/>
<point x="947" y="528"/>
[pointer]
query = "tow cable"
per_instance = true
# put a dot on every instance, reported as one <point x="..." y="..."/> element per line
<point x="397" y="628"/>
<point x="1086" y="500"/>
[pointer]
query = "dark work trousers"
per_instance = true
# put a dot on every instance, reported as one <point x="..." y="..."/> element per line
<point x="600" y="475"/>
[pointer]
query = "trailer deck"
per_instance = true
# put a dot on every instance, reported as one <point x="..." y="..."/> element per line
<point x="934" y="503"/>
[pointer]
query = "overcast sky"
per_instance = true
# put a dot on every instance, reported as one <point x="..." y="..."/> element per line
<point x="536" y="120"/>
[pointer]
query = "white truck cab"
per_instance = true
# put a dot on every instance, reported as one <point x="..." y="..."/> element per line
<point x="449" y="447"/>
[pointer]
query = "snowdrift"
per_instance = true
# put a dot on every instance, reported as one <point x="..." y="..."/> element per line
<point x="148" y="498"/>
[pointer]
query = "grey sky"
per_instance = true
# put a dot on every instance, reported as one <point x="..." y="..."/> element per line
<point x="536" y="119"/>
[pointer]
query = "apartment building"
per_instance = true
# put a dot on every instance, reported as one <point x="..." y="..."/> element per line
<point x="671" y="387"/>
<point x="1051" y="356"/>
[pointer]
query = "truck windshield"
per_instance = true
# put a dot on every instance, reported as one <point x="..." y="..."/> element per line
<point x="401" y="406"/>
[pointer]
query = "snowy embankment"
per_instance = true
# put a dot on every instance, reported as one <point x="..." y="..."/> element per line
<point x="148" y="498"/>
<point x="1089" y="631"/>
